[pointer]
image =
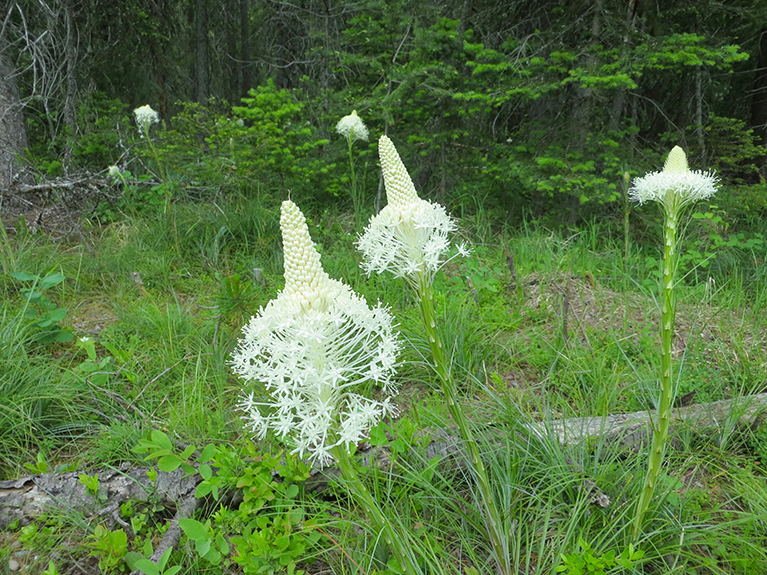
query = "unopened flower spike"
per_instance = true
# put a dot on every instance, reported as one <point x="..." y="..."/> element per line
<point x="352" y="127"/>
<point x="409" y="237"/>
<point x="313" y="350"/>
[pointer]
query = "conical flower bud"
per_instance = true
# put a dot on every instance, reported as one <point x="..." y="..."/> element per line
<point x="307" y="355"/>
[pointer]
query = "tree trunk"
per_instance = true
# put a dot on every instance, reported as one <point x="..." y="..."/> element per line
<point x="699" y="132"/>
<point x="202" y="52"/>
<point x="13" y="136"/>
<point x="758" y="90"/>
<point x="70" y="92"/>
<point x="244" y="49"/>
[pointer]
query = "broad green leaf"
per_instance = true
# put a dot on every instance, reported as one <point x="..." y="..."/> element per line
<point x="161" y="439"/>
<point x="169" y="463"/>
<point x="51" y="280"/>
<point x="147" y="566"/>
<point x="208" y="453"/>
<point x="193" y="529"/>
<point x="206" y="472"/>
<point x="24" y="277"/>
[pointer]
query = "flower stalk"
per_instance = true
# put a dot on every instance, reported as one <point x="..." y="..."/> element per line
<point x="498" y="540"/>
<point x="675" y="188"/>
<point x="145" y="117"/>
<point x="409" y="239"/>
<point x="381" y="524"/>
<point x="312" y="351"/>
<point x="352" y="128"/>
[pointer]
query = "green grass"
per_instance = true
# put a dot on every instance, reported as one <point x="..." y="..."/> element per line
<point x="575" y="333"/>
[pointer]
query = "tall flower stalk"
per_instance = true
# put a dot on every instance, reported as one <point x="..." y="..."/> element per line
<point x="352" y="128"/>
<point x="674" y="188"/>
<point x="306" y="360"/>
<point x="409" y="238"/>
<point x="145" y="117"/>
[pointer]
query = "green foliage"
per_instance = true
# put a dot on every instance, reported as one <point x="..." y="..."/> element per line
<point x="208" y="544"/>
<point x="587" y="561"/>
<point x="104" y="131"/>
<point x="91" y="483"/>
<point x="235" y="300"/>
<point x="40" y="310"/>
<point x="270" y="530"/>
<point x="151" y="568"/>
<point x="109" y="547"/>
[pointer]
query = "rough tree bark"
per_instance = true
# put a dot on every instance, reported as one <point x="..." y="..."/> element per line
<point x="245" y="62"/>
<point x="13" y="136"/>
<point x="201" y="39"/>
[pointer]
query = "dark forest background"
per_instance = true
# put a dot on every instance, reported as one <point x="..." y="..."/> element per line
<point x="520" y="108"/>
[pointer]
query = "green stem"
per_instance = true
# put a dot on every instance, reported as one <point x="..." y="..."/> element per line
<point x="490" y="513"/>
<point x="365" y="499"/>
<point x="168" y="204"/>
<point x="668" y="314"/>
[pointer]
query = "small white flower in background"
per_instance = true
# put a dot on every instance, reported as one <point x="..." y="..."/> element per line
<point x="315" y="348"/>
<point x="352" y="127"/>
<point x="114" y="171"/>
<point x="409" y="236"/>
<point x="676" y="186"/>
<point x="145" y="117"/>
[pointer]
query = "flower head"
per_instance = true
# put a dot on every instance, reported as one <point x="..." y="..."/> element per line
<point x="409" y="236"/>
<point x="114" y="171"/>
<point x="676" y="186"/>
<point x="145" y="117"/>
<point x="352" y="127"/>
<point x="315" y="348"/>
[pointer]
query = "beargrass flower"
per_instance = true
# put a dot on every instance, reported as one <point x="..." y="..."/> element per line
<point x="676" y="186"/>
<point x="352" y="127"/>
<point x="145" y="117"/>
<point x="315" y="349"/>
<point x="408" y="237"/>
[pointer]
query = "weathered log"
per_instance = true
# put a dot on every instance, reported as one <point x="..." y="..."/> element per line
<point x="33" y="495"/>
<point x="25" y="498"/>
<point x="632" y="430"/>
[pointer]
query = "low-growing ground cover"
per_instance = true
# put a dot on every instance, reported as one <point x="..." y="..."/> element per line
<point x="539" y="325"/>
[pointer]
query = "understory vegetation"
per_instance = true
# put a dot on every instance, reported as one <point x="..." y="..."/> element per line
<point x="119" y="340"/>
<point x="582" y="377"/>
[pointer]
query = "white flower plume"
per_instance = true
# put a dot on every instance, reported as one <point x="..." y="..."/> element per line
<point x="314" y="349"/>
<point x="145" y="117"/>
<point x="352" y="127"/>
<point x="676" y="186"/>
<point x="409" y="237"/>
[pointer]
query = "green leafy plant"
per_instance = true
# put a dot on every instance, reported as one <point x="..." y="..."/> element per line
<point x="208" y="544"/>
<point x="91" y="482"/>
<point x="40" y="310"/>
<point x="270" y="530"/>
<point x="151" y="568"/>
<point x="588" y="562"/>
<point x="40" y="466"/>
<point x="235" y="299"/>
<point x="109" y="547"/>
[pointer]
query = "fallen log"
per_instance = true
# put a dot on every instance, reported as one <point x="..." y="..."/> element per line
<point x="632" y="431"/>
<point x="28" y="497"/>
